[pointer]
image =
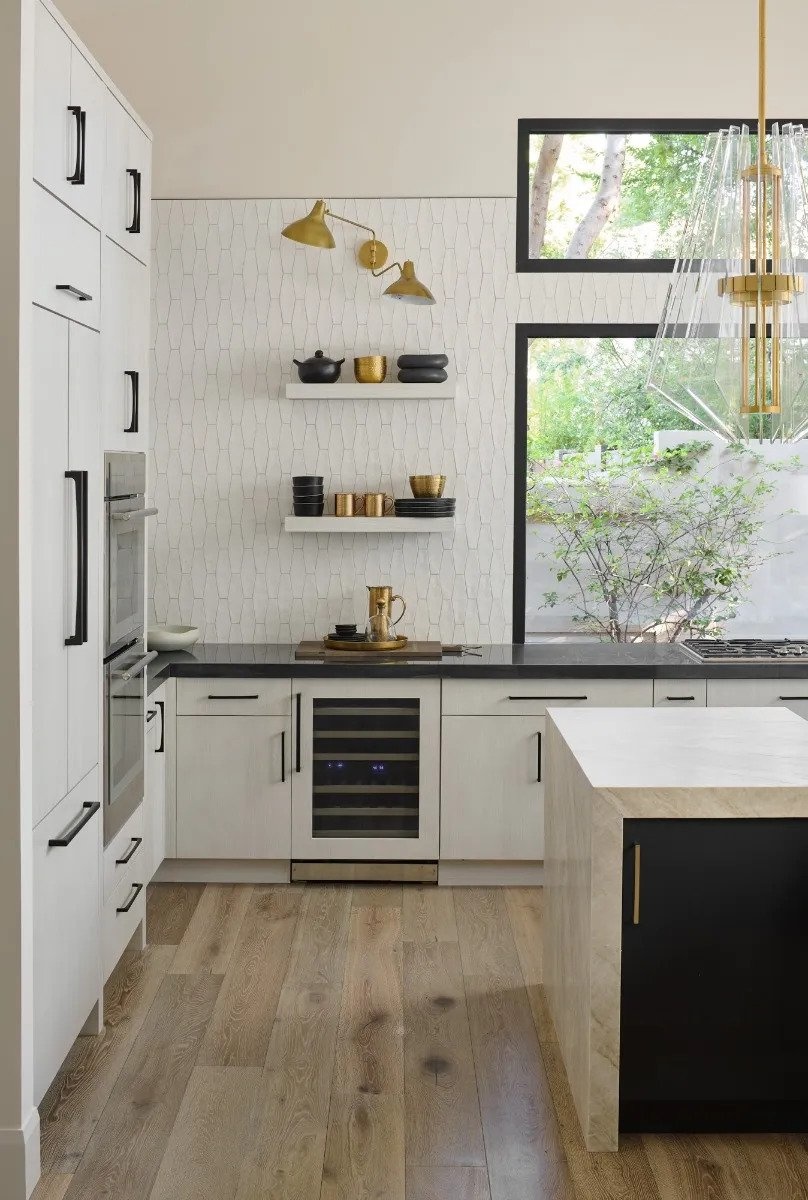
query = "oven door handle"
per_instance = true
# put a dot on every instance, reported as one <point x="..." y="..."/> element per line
<point x="134" y="514"/>
<point x="136" y="668"/>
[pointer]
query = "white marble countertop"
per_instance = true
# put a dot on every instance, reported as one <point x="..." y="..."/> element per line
<point x="707" y="762"/>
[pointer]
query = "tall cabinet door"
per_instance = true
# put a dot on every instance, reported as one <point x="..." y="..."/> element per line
<point x="51" y="613"/>
<point x="127" y="192"/>
<point x="366" y="772"/>
<point x="84" y="455"/>
<point x="125" y="284"/>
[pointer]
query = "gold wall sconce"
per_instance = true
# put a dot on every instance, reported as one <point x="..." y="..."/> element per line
<point x="312" y="230"/>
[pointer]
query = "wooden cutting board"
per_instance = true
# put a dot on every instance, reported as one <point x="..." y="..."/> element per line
<point x="413" y="650"/>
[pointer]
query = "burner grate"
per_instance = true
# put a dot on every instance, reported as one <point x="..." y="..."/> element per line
<point x="746" y="649"/>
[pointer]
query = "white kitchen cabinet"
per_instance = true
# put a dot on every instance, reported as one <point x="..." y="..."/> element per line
<point x="66" y="553"/>
<point x="67" y="926"/>
<point x="125" y="286"/>
<point x="127" y="191"/>
<point x="759" y="693"/>
<point x="492" y="789"/>
<point x="233" y="794"/>
<point x="156" y="777"/>
<point x="66" y="269"/>
<point x="532" y="697"/>
<point x="124" y="909"/>
<point x="366" y="770"/>
<point x="69" y="120"/>
<point x="680" y="693"/>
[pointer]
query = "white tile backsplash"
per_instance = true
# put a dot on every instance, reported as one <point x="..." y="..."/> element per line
<point x="233" y="303"/>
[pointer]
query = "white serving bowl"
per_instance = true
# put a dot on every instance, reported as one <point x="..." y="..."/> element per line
<point x="172" y="637"/>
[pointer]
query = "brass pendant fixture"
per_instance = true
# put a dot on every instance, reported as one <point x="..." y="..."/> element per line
<point x="731" y="351"/>
<point x="312" y="230"/>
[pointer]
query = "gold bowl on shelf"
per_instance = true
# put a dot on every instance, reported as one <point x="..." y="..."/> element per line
<point x="427" y="485"/>
<point x="371" y="368"/>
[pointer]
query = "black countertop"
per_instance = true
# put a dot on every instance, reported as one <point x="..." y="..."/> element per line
<point x="585" y="659"/>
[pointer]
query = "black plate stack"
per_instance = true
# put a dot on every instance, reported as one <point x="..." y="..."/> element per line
<point x="307" y="495"/>
<point x="425" y="506"/>
<point x="422" y="368"/>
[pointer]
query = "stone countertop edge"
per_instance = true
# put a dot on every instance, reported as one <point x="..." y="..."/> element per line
<point x="592" y="660"/>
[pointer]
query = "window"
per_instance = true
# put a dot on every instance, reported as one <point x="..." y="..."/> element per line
<point x="605" y="195"/>
<point x="579" y="389"/>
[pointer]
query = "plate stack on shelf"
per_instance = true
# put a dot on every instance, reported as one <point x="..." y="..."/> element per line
<point x="422" y="368"/>
<point x="425" y="506"/>
<point x="308" y="495"/>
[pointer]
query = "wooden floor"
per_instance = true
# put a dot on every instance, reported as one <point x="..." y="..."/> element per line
<point x="365" y="1043"/>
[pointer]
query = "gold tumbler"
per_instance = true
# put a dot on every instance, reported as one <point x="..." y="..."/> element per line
<point x="371" y="368"/>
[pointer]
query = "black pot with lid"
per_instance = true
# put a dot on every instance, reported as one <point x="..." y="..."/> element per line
<point x="319" y="368"/>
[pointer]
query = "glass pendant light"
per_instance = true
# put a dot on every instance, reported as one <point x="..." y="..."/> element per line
<point x="731" y="351"/>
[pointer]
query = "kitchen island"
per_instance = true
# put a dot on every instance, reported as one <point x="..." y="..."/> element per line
<point x="675" y="936"/>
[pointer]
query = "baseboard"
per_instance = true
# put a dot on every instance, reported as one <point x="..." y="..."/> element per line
<point x="222" y="870"/>
<point x="19" y="1159"/>
<point x="491" y="874"/>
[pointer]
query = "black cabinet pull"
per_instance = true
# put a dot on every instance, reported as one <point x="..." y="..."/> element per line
<point x="79" y="635"/>
<point x="548" y="697"/>
<point x="136" y="181"/>
<point x="81" y="141"/>
<point x="136" y="890"/>
<point x="130" y="854"/>
<point x="538" y="756"/>
<point x="298" y="705"/>
<point x="150" y="715"/>
<point x="680" y="697"/>
<point x="90" y="809"/>
<point x="134" y="426"/>
<point x="222" y="697"/>
<point x="74" y="291"/>
<point x="161" y="749"/>
<point x="283" y="756"/>
<point x="792" y="697"/>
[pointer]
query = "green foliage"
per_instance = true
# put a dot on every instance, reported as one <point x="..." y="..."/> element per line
<point x="648" y="542"/>
<point x="587" y="392"/>
<point x="658" y="185"/>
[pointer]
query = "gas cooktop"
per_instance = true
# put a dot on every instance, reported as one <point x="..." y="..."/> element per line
<point x="748" y="650"/>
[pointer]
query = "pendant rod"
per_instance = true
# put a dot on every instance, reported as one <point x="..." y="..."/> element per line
<point x="761" y="83"/>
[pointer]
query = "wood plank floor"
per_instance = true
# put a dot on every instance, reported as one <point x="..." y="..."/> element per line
<point x="366" y="1043"/>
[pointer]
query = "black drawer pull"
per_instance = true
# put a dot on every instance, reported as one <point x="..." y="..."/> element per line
<point x="134" y="425"/>
<point x="792" y="697"/>
<point x="161" y="749"/>
<point x="255" y="697"/>
<point x="137" y="181"/>
<point x="136" y="890"/>
<point x="548" y="697"/>
<point x="680" y="697"/>
<point x="90" y="809"/>
<point x="283" y="756"/>
<point x="130" y="854"/>
<point x="298" y="707"/>
<point x="538" y="756"/>
<point x="150" y="715"/>
<point x="81" y="141"/>
<point x="74" y="291"/>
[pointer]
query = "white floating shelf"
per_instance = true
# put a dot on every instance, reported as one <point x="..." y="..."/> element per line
<point x="368" y="524"/>
<point x="371" y="391"/>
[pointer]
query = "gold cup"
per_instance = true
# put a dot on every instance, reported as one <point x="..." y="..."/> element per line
<point x="371" y="368"/>
<point x="378" y="504"/>
<point x="346" y="504"/>
<point x="427" y="485"/>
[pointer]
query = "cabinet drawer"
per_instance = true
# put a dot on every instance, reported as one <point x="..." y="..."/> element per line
<point x="759" y="693"/>
<point x="234" y="697"/>
<point x="67" y="255"/>
<point x="680" y="693"/>
<point x="123" y="912"/>
<point x="67" y="966"/>
<point x="532" y="697"/>
<point x="128" y="844"/>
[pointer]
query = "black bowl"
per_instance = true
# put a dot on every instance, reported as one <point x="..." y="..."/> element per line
<point x="307" y="479"/>
<point x="309" y="510"/>
<point x="303" y="493"/>
<point x="423" y="362"/>
<point x="345" y="629"/>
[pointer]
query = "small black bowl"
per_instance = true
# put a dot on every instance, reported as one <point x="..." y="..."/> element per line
<point x="310" y="479"/>
<point x="312" y="493"/>
<point x="346" y="630"/>
<point x="309" y="510"/>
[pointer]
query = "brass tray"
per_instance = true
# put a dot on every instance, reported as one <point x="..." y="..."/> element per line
<point x="366" y="647"/>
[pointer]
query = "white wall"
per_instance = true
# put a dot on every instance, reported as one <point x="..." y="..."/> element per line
<point x="376" y="98"/>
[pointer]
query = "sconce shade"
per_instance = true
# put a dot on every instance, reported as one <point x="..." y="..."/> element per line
<point x="408" y="288"/>
<point x="312" y="230"/>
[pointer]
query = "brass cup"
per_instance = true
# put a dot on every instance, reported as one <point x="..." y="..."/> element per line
<point x="372" y="368"/>
<point x="378" y="504"/>
<point x="427" y="485"/>
<point x="346" y="504"/>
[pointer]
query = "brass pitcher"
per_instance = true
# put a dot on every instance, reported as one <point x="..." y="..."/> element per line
<point x="385" y="595"/>
<point x="380" y="628"/>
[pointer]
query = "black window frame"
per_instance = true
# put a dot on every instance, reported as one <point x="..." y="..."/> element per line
<point x="527" y="127"/>
<point x="524" y="334"/>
